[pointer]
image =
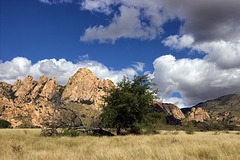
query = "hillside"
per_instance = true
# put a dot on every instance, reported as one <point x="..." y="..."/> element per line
<point x="225" y="108"/>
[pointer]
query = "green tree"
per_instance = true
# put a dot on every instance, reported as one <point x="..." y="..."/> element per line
<point x="126" y="105"/>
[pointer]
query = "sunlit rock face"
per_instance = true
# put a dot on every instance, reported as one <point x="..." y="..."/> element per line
<point x="169" y="109"/>
<point x="84" y="87"/>
<point x="28" y="103"/>
<point x="198" y="115"/>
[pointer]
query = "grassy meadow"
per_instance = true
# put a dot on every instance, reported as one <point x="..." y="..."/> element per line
<point x="27" y="144"/>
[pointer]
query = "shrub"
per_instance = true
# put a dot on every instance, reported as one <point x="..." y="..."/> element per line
<point x="71" y="133"/>
<point x="214" y="125"/>
<point x="153" y="122"/>
<point x="26" y="121"/>
<point x="174" y="140"/>
<point x="16" y="148"/>
<point x="4" y="124"/>
<point x="176" y="132"/>
<point x="216" y="133"/>
<point x="189" y="128"/>
<point x="189" y="131"/>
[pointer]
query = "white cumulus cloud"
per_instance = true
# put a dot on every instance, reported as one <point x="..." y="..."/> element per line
<point x="123" y="25"/>
<point x="195" y="79"/>
<point x="225" y="54"/>
<point x="17" y="68"/>
<point x="205" y="20"/>
<point x="178" y="42"/>
<point x="97" y="6"/>
<point x="62" y="69"/>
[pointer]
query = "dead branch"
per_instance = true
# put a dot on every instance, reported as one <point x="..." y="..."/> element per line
<point x="64" y="118"/>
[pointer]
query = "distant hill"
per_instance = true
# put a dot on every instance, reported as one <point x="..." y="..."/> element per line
<point x="225" y="108"/>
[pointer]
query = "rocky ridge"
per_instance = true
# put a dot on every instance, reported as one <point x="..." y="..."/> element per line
<point x="168" y="108"/>
<point x="27" y="104"/>
<point x="85" y="88"/>
<point x="225" y="109"/>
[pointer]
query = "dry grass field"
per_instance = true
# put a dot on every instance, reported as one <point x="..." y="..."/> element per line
<point x="27" y="144"/>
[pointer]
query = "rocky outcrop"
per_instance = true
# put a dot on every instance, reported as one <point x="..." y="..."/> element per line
<point x="225" y="109"/>
<point x="5" y="90"/>
<point x="28" y="103"/>
<point x="16" y="85"/>
<point x="84" y="87"/>
<point x="42" y="81"/>
<point x="25" y="88"/>
<point x="168" y="108"/>
<point x="198" y="115"/>
<point x="52" y="90"/>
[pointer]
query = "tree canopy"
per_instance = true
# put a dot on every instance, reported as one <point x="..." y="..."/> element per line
<point x="126" y="105"/>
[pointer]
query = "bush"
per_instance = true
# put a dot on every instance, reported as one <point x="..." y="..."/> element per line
<point x="4" y="124"/>
<point x="26" y="121"/>
<point x="189" y="131"/>
<point x="216" y="133"/>
<point x="153" y="122"/>
<point x="71" y="133"/>
<point x="189" y="128"/>
<point x="214" y="125"/>
<point x="16" y="148"/>
<point x="176" y="132"/>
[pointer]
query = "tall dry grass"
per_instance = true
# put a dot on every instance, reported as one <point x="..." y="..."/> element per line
<point x="27" y="144"/>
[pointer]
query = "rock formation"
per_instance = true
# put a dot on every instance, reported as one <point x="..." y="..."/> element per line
<point x="27" y="85"/>
<point x="84" y="87"/>
<point x="28" y="103"/>
<point x="16" y="85"/>
<point x="52" y="90"/>
<point x="168" y="108"/>
<point x="198" y="115"/>
<point x="225" y="109"/>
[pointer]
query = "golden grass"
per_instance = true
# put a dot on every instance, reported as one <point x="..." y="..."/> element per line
<point x="27" y="144"/>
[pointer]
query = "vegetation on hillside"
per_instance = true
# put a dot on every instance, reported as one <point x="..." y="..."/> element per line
<point x="226" y="108"/>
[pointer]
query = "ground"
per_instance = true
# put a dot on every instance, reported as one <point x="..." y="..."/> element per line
<point x="27" y="144"/>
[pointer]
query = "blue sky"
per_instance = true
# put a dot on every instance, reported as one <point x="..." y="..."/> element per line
<point x="191" y="49"/>
<point x="38" y="31"/>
